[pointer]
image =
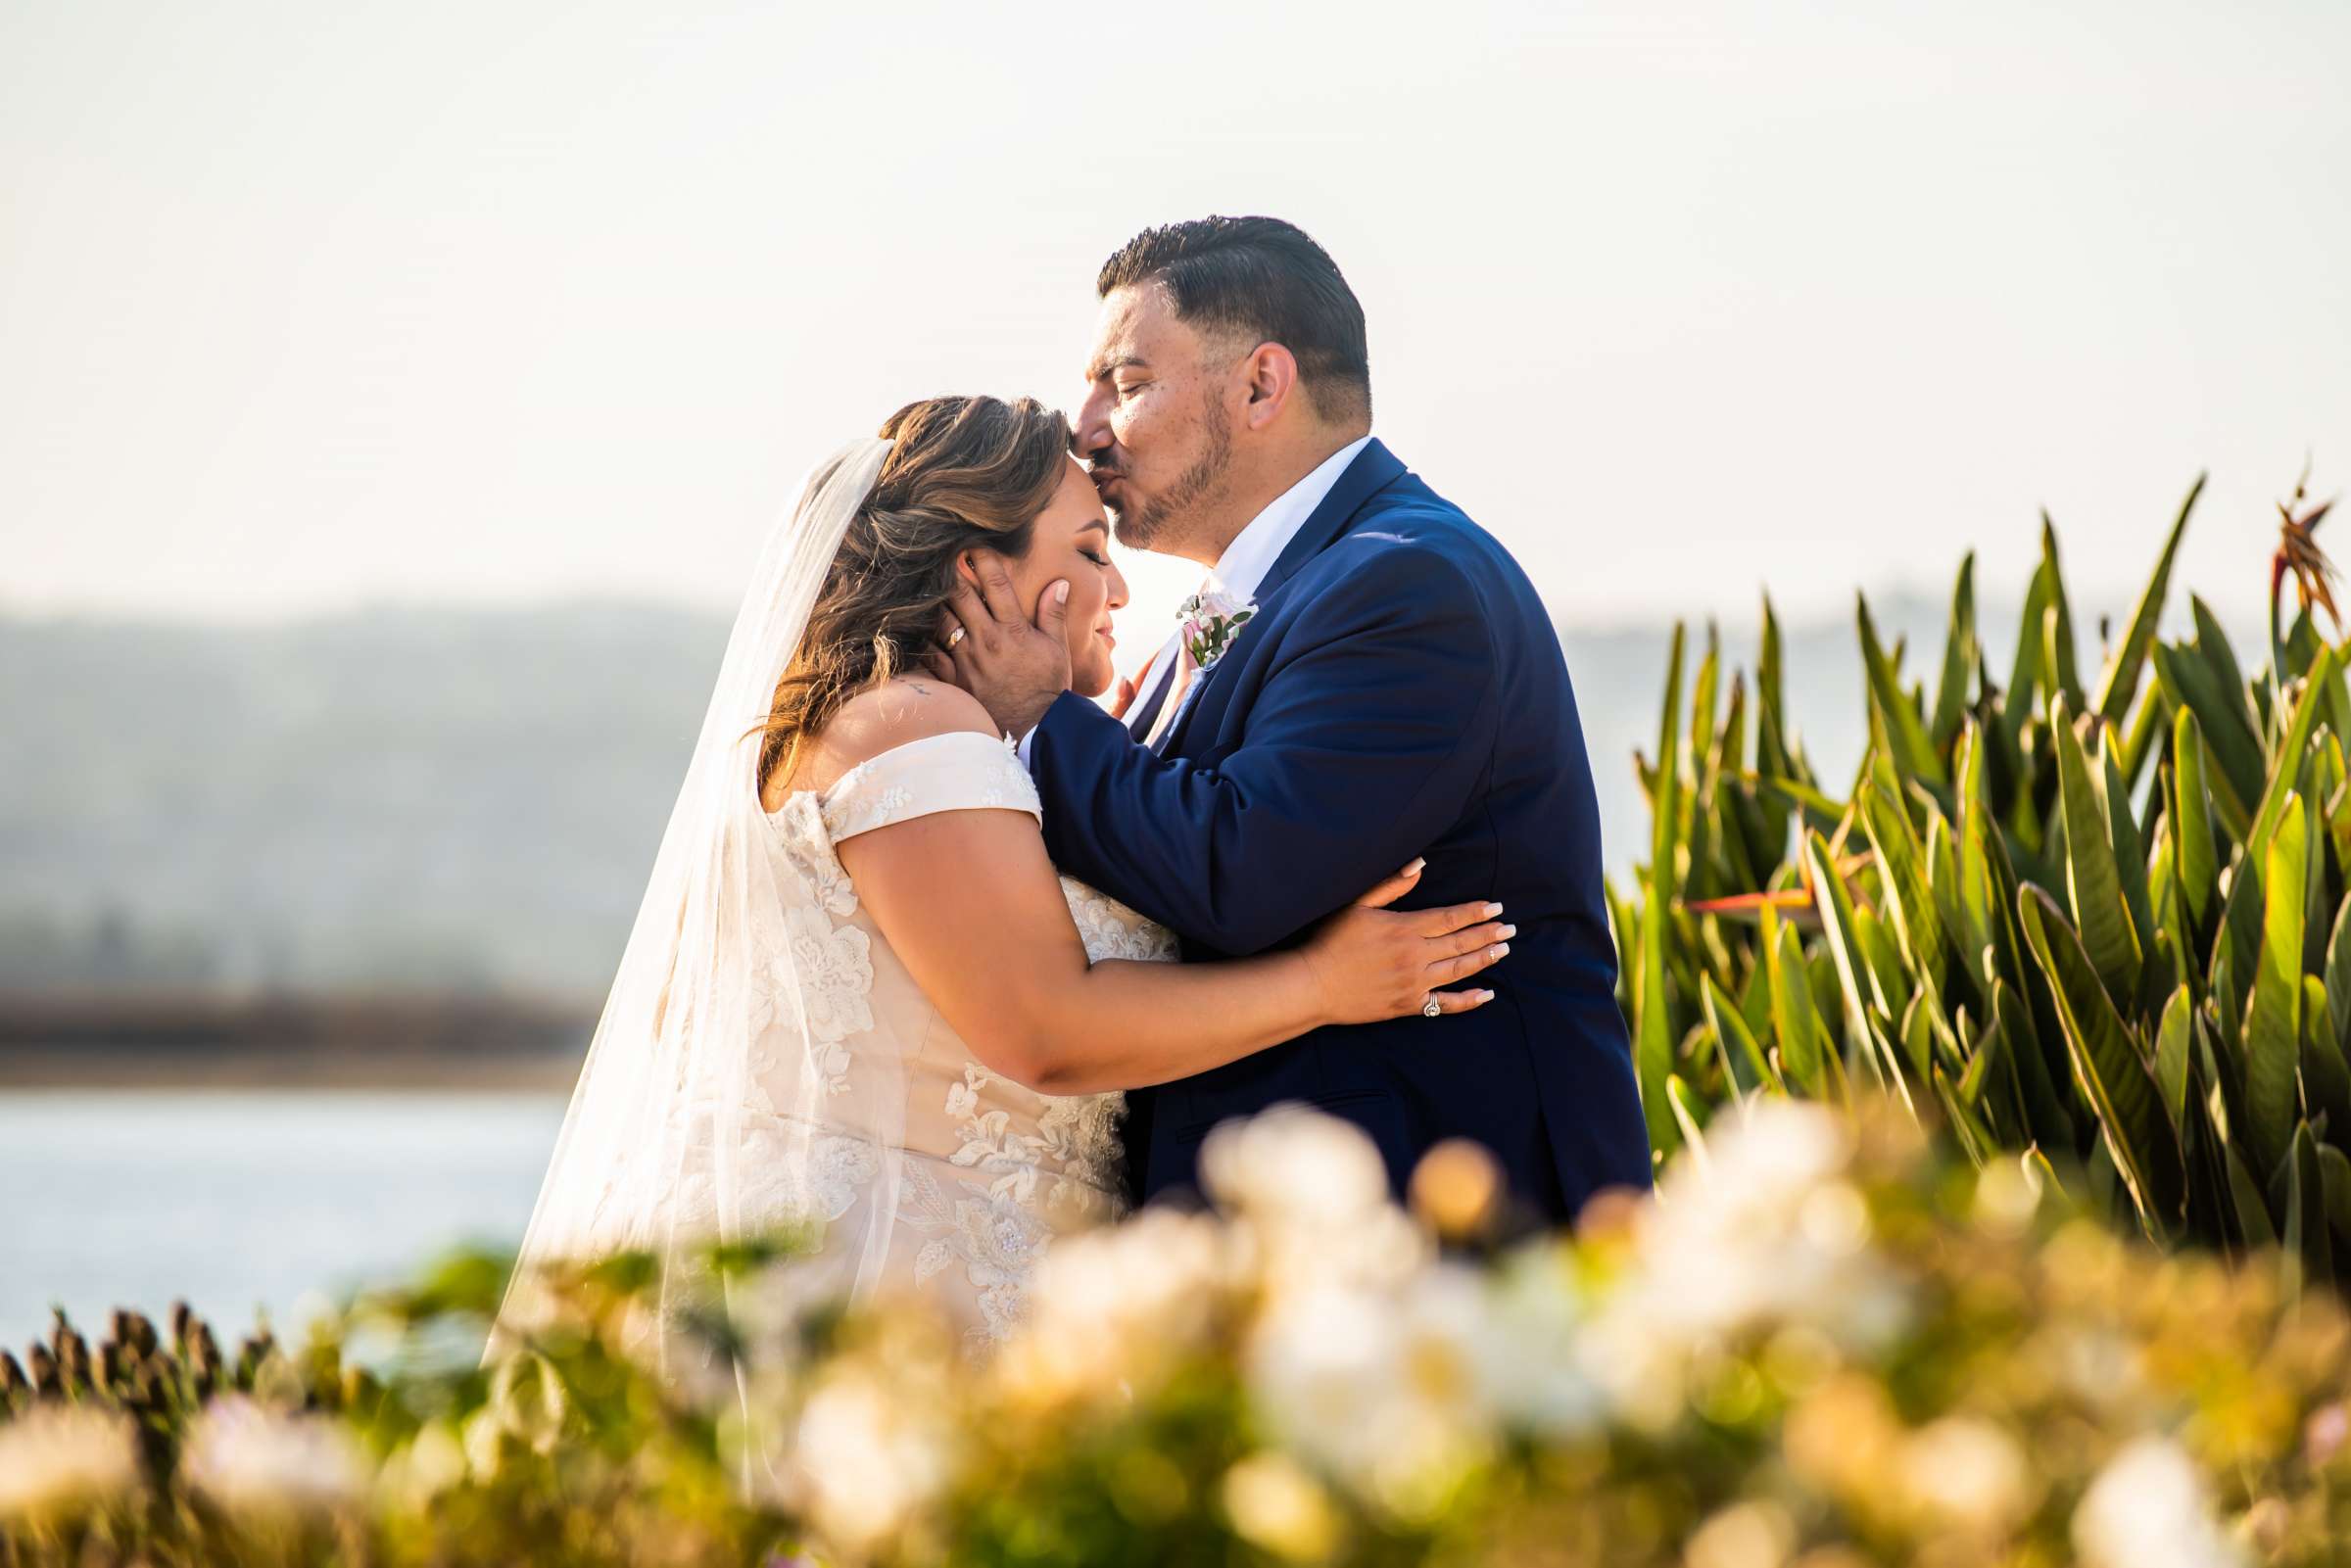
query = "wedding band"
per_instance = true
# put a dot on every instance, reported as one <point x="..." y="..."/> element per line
<point x="956" y="637"/>
<point x="1431" y="1009"/>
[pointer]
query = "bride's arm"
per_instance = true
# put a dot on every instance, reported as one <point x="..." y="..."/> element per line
<point x="974" y="910"/>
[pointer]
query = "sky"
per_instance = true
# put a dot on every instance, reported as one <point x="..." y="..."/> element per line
<point x="311" y="306"/>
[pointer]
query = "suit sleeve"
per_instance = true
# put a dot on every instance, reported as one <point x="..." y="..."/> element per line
<point x="1365" y="743"/>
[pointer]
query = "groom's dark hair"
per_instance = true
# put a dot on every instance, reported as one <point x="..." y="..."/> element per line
<point x="1262" y="277"/>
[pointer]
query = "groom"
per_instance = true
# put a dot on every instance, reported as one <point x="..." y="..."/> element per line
<point x="1367" y="677"/>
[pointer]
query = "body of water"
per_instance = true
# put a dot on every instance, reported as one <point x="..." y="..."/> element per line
<point x="246" y="1199"/>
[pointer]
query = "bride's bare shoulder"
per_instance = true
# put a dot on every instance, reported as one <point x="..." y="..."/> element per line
<point x="913" y="709"/>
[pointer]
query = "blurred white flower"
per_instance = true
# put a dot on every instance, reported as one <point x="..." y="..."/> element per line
<point x="870" y="1460"/>
<point x="1311" y="1194"/>
<point x="1745" y="1534"/>
<point x="1391" y="1393"/>
<point x="1296" y="1164"/>
<point x="1768" y="1233"/>
<point x="1968" y="1473"/>
<point x="2149" y="1508"/>
<point x="1114" y="1305"/>
<point x="1275" y="1504"/>
<point x="61" y="1460"/>
<point x="1535" y="1312"/>
<point x="251" y="1459"/>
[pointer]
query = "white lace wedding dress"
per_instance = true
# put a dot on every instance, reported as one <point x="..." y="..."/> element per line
<point x="985" y="1172"/>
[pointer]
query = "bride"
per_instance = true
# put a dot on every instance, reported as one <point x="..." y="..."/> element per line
<point x="856" y="994"/>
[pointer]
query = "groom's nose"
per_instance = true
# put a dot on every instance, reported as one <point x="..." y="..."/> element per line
<point x="1090" y="427"/>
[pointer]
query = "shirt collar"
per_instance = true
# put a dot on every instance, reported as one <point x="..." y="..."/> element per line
<point x="1254" y="550"/>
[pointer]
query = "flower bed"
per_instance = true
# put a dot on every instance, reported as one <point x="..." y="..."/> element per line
<point x="1819" y="1344"/>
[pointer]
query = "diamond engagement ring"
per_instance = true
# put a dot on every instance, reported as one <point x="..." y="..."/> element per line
<point x="956" y="635"/>
<point x="1431" y="1008"/>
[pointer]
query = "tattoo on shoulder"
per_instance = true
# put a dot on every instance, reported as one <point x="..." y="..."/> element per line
<point x="918" y="689"/>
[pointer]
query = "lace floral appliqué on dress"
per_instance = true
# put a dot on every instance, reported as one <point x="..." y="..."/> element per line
<point x="985" y="1172"/>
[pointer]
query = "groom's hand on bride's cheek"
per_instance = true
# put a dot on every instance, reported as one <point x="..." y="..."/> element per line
<point x="1016" y="668"/>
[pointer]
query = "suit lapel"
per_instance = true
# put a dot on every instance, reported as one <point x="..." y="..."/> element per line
<point x="1141" y="719"/>
<point x="1375" y="469"/>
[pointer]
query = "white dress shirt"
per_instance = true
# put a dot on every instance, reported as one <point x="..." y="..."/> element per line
<point x="1251" y="555"/>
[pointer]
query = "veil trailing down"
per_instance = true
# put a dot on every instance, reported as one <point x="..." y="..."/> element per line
<point x="666" y="1146"/>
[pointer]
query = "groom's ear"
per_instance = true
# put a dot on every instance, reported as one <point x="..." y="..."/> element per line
<point x="1270" y="373"/>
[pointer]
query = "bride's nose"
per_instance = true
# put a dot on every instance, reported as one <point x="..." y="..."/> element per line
<point x="1117" y="589"/>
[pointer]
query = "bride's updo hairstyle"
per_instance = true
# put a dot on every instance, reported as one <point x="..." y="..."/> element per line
<point x="965" y="473"/>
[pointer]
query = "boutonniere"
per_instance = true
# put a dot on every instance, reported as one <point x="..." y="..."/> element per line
<point x="1210" y="621"/>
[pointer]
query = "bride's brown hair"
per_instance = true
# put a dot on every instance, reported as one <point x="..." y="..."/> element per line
<point x="965" y="473"/>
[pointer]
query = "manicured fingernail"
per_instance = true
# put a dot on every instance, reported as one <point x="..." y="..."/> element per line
<point x="1500" y="950"/>
<point x="1493" y="910"/>
<point x="1416" y="867"/>
<point x="1061" y="593"/>
<point x="1507" y="933"/>
<point x="1485" y="996"/>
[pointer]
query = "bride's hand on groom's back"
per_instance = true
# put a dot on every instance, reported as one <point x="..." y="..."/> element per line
<point x="1371" y="963"/>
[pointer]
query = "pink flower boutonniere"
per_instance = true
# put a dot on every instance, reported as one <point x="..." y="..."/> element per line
<point x="1210" y="621"/>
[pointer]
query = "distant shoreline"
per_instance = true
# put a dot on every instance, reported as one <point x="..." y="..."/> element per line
<point x="199" y="1041"/>
<point x="42" y="1072"/>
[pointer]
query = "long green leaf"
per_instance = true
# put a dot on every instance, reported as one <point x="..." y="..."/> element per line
<point x="2236" y="778"/>
<point x="1793" y="1019"/>
<point x="2120" y="678"/>
<point x="2338" y="978"/>
<point x="2143" y="736"/>
<point x="2063" y="677"/>
<point x="2246" y="1202"/>
<point x="2334" y="1175"/>
<point x="1836" y="907"/>
<point x="1906" y="731"/>
<point x="2026" y="675"/>
<point x="2173" y="1039"/>
<point x="2045" y="1115"/>
<point x="1654" y="1045"/>
<point x="2108" y="1068"/>
<point x="1771" y="708"/>
<point x="2273" y="1026"/>
<point x="2129" y="850"/>
<point x="1960" y="659"/>
<point x="2091" y="879"/>
<point x="1730" y="1029"/>
<point x="2325" y="1079"/>
<point x="2292" y="750"/>
<point x="2196" y="861"/>
<point x="2306" y="1215"/>
<point x="1901" y="861"/>
<point x="1986" y="1060"/>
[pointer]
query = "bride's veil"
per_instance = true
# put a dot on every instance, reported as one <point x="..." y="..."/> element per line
<point x="704" y="1105"/>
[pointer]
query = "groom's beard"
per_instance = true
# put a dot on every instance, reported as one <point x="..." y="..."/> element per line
<point x="1159" y="524"/>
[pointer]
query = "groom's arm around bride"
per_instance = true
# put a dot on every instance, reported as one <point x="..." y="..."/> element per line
<point x="1384" y="683"/>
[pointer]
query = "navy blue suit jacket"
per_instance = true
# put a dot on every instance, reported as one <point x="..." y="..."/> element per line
<point x="1399" y="692"/>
